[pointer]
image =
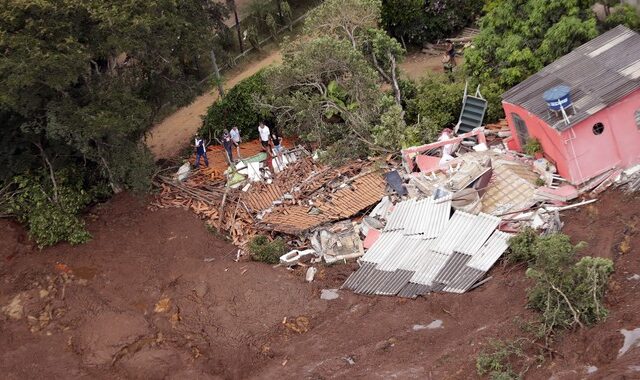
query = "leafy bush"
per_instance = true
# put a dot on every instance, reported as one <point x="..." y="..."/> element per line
<point x="495" y="361"/>
<point x="418" y="21"/>
<point x="623" y="14"/>
<point x="436" y="105"/>
<point x="51" y="216"/>
<point x="266" y="251"/>
<point x="237" y="108"/>
<point x="522" y="246"/>
<point x="567" y="292"/>
<point x="532" y="146"/>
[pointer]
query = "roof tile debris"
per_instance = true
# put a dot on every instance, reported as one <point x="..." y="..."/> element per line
<point x="362" y="192"/>
<point x="599" y="73"/>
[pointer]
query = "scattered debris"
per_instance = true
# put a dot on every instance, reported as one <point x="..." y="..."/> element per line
<point x="631" y="339"/>
<point x="436" y="324"/>
<point x="163" y="306"/>
<point x="329" y="294"/>
<point x="14" y="309"/>
<point x="311" y="273"/>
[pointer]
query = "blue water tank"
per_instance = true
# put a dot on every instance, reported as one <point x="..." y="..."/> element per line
<point x="558" y="97"/>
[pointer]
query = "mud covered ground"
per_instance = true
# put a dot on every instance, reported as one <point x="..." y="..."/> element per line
<point x="156" y="295"/>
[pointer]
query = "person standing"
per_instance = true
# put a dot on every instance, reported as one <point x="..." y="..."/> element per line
<point x="265" y="135"/>
<point x="227" y="143"/>
<point x="201" y="151"/>
<point x="235" y="137"/>
<point x="449" y="58"/>
<point x="276" y="138"/>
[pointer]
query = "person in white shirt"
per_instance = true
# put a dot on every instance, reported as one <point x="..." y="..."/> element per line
<point x="265" y="135"/>
<point x="235" y="137"/>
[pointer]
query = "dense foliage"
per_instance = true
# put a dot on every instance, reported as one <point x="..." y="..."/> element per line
<point x="51" y="212"/>
<point x="418" y="21"/>
<point x="519" y="37"/>
<point x="267" y="251"/>
<point x="237" y="108"/>
<point x="567" y="291"/>
<point x="83" y="81"/>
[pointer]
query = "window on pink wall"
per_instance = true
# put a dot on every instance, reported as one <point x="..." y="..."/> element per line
<point x="598" y="128"/>
<point x="638" y="119"/>
<point x="521" y="128"/>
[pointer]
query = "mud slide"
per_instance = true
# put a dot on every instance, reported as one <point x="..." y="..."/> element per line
<point x="167" y="138"/>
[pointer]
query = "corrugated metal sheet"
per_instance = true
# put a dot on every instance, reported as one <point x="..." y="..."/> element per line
<point x="602" y="71"/>
<point x="382" y="247"/>
<point x="490" y="251"/>
<point x="460" y="225"/>
<point x="409" y="266"/>
<point x="478" y="233"/>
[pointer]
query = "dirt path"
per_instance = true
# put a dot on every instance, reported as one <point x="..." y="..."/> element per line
<point x="167" y="138"/>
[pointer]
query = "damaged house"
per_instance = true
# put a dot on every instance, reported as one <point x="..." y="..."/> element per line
<point x="584" y="108"/>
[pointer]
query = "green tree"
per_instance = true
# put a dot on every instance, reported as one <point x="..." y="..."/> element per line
<point x="237" y="109"/>
<point x="84" y="80"/>
<point x="343" y="19"/>
<point x="418" y="21"/>
<point x="325" y="91"/>
<point x="519" y="37"/>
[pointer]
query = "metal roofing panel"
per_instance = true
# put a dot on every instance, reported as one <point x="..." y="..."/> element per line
<point x="382" y="247"/>
<point x="411" y="290"/>
<point x="603" y="70"/>
<point x="465" y="280"/>
<point x="455" y="263"/>
<point x="483" y="226"/>
<point x="490" y="251"/>
<point x="460" y="224"/>
<point x="357" y="277"/>
<point x="394" y="283"/>
<point x="432" y="225"/>
<point x="429" y="268"/>
<point x="403" y="250"/>
<point x="420" y="256"/>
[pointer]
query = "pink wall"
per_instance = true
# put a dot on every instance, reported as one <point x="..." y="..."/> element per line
<point x="578" y="153"/>
<point x="550" y="139"/>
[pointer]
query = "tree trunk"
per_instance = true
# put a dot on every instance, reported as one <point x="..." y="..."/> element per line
<point x="394" y="79"/>
<point x="235" y="14"/>
<point x="216" y="73"/>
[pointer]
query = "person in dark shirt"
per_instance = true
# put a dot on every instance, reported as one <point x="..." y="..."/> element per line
<point x="201" y="151"/>
<point x="227" y="143"/>
<point x="276" y="138"/>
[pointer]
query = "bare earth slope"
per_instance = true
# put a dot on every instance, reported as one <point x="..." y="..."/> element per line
<point x="155" y="295"/>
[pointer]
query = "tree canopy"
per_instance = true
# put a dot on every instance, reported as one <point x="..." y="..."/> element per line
<point x="82" y="81"/>
<point x="519" y="37"/>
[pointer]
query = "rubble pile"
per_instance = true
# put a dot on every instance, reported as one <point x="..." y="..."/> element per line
<point x="436" y="221"/>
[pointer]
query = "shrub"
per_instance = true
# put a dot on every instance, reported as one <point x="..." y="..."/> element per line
<point x="495" y="361"/>
<point x="522" y="246"/>
<point x="568" y="292"/>
<point x="532" y="146"/>
<point x="623" y="14"/>
<point x="266" y="251"/>
<point x="419" y="21"/>
<point x="50" y="218"/>
<point x="237" y="108"/>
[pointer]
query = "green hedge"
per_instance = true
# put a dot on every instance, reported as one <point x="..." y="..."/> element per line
<point x="237" y="108"/>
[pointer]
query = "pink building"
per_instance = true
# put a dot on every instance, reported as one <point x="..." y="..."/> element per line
<point x="597" y="128"/>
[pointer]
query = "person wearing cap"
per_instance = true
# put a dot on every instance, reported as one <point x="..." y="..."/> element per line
<point x="201" y="152"/>
<point x="227" y="143"/>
